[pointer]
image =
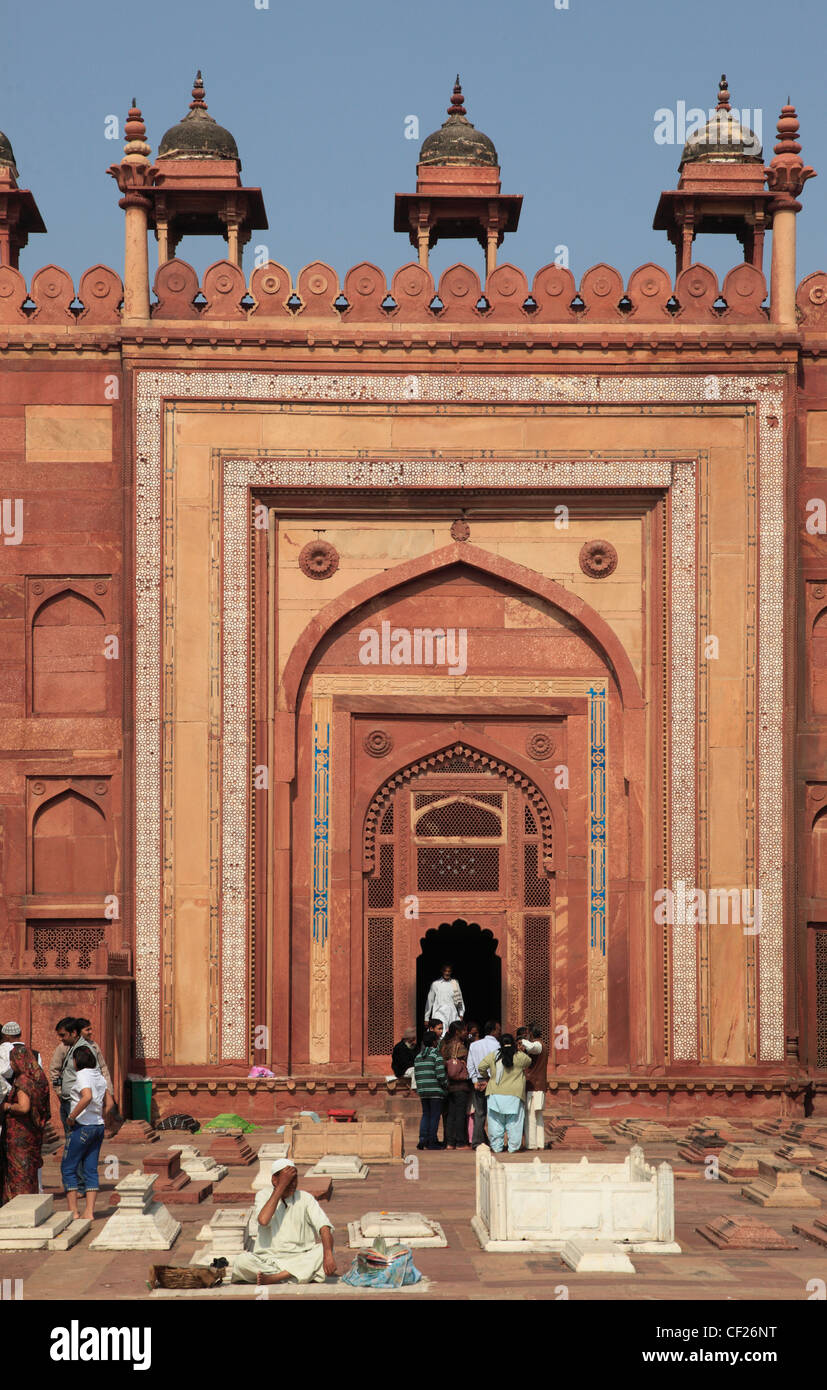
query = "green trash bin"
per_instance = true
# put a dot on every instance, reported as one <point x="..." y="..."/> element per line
<point x="141" y="1097"/>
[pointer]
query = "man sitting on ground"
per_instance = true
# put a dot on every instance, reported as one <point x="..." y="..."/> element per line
<point x="286" y="1246"/>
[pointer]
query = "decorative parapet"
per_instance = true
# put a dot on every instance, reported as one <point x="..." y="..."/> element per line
<point x="317" y="297"/>
<point x="811" y="300"/>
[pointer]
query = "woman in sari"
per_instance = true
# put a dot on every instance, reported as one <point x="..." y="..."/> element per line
<point x="25" y="1113"/>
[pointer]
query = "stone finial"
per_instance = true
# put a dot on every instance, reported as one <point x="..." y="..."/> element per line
<point x="457" y="107"/>
<point x="136" y="147"/>
<point x="198" y="103"/>
<point x="723" y="94"/>
<point x="787" y="173"/>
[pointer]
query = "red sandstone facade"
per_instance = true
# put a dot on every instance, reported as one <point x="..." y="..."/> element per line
<point x="239" y="829"/>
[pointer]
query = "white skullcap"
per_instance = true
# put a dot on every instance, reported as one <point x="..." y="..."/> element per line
<point x="281" y="1163"/>
<point x="11" y="1030"/>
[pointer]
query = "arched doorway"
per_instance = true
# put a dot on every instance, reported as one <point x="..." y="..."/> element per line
<point x="458" y="866"/>
<point x="471" y="951"/>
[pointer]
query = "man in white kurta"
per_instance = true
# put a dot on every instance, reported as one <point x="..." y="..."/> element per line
<point x="287" y="1244"/>
<point x="444" y="999"/>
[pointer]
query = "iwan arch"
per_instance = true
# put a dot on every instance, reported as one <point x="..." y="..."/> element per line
<point x="588" y="481"/>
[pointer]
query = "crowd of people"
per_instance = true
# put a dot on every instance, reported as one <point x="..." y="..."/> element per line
<point x="80" y="1078"/>
<point x="474" y="1081"/>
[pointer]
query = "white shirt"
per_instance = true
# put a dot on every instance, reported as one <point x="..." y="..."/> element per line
<point x="444" y="1001"/>
<point x="5" y="1089"/>
<point x="477" y="1052"/>
<point x="89" y="1078"/>
<point x="5" y="1056"/>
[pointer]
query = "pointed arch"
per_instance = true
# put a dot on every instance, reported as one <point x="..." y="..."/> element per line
<point x="473" y="558"/>
<point x="55" y="599"/>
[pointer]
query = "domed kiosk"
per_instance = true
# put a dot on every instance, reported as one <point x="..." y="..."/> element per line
<point x="197" y="190"/>
<point x="457" y="189"/>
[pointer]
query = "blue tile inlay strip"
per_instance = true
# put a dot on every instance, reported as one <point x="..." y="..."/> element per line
<point x="597" y="818"/>
<point x="321" y="829"/>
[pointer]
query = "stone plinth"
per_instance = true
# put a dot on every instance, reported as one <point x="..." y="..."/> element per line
<point x="199" y="1166"/>
<point x="799" y="1154"/>
<point x="140" y="1223"/>
<point x="376" y="1141"/>
<point x="698" y="1146"/>
<point x="134" y="1132"/>
<point x="817" y="1232"/>
<point x="739" y="1161"/>
<point x="28" y="1210"/>
<point x="267" y="1155"/>
<point x="812" y="1132"/>
<point x="772" y="1126"/>
<point x="596" y="1257"/>
<point x="730" y="1131"/>
<point x="534" y="1205"/>
<point x="342" y="1167"/>
<point x="232" y="1150"/>
<point x="575" y="1137"/>
<point x="31" y="1223"/>
<point x="396" y="1227"/>
<point x="820" y="1171"/>
<point x="779" y="1185"/>
<point x="226" y="1235"/>
<point x="743" y="1233"/>
<point x="647" y="1131"/>
<point x="174" y="1185"/>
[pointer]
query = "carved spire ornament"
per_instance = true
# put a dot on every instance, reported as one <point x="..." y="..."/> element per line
<point x="786" y="175"/>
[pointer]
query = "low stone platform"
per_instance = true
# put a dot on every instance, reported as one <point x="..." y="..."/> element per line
<point x="398" y="1227"/>
<point x="744" y="1233"/>
<point x="817" y="1232"/>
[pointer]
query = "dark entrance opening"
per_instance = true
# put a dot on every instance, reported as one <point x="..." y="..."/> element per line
<point x="472" y="954"/>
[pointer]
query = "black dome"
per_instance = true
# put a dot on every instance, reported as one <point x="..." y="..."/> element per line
<point x="7" y="154"/>
<point x="458" y="141"/>
<point x="198" y="136"/>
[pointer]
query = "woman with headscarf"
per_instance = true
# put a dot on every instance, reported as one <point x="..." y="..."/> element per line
<point x="25" y="1113"/>
<point x="505" y="1091"/>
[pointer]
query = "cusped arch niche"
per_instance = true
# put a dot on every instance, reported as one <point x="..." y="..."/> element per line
<point x="68" y="663"/>
<point x="460" y="756"/>
<point x="70" y="848"/>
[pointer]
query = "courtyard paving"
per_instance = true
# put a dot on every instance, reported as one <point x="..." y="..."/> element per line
<point x="442" y="1187"/>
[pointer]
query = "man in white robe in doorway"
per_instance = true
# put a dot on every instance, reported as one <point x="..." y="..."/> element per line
<point x="286" y="1244"/>
<point x="445" y="999"/>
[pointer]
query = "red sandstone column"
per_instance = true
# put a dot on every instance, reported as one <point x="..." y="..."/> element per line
<point x="134" y="174"/>
<point x="786" y="176"/>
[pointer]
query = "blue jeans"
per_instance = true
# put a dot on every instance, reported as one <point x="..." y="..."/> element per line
<point x="82" y="1148"/>
<point x="505" y="1117"/>
<point x="429" y="1124"/>
<point x="65" y="1107"/>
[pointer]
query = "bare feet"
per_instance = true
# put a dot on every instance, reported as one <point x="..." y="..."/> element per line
<point x="273" y="1278"/>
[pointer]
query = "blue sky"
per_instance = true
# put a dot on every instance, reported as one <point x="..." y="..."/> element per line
<point x="317" y="96"/>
